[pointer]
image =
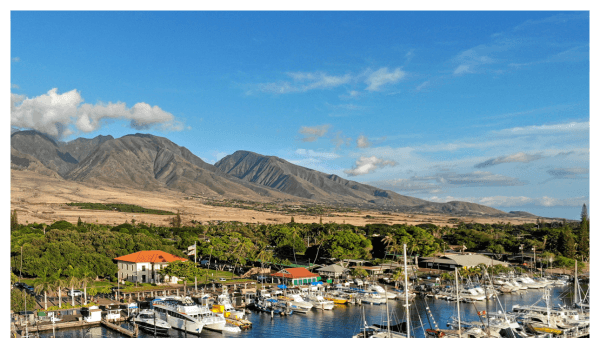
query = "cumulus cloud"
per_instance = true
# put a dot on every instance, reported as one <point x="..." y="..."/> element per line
<point x="569" y="173"/>
<point x="365" y="165"/>
<point x="313" y="133"/>
<point x="363" y="142"/>
<point x="382" y="76"/>
<point x="516" y="201"/>
<point x="53" y="113"/>
<point x="518" y="157"/>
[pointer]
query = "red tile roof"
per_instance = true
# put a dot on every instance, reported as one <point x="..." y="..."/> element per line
<point x="150" y="256"/>
<point x="294" y="273"/>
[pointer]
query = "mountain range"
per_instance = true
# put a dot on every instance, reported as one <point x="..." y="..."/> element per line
<point x="149" y="162"/>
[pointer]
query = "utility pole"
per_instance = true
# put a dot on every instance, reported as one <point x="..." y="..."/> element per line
<point x="534" y="265"/>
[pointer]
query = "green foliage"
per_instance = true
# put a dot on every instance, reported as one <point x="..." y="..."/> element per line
<point x="19" y="299"/>
<point x="359" y="272"/>
<point x="120" y="207"/>
<point x="182" y="269"/>
<point x="347" y="244"/>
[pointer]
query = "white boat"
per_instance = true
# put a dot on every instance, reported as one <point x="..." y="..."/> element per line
<point x="223" y="299"/>
<point x="185" y="307"/>
<point x="300" y="304"/>
<point x="149" y="321"/>
<point x="380" y="290"/>
<point x="319" y="302"/>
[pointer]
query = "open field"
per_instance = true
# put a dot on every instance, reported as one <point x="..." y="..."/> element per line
<point x="42" y="199"/>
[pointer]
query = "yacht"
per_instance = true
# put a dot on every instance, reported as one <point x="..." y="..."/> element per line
<point x="149" y="321"/>
<point x="380" y="290"/>
<point x="180" y="314"/>
<point x="176" y="307"/>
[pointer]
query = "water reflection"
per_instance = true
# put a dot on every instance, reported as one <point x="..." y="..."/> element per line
<point x="344" y="321"/>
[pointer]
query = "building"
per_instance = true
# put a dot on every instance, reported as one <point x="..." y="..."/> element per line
<point x="333" y="271"/>
<point x="449" y="262"/>
<point x="297" y="276"/>
<point x="144" y="266"/>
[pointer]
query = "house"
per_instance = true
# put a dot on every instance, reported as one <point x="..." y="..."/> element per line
<point x="144" y="266"/>
<point x="449" y="262"/>
<point x="333" y="270"/>
<point x="297" y="276"/>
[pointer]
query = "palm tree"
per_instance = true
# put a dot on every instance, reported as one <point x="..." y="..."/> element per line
<point x="44" y="283"/>
<point x="86" y="277"/>
<point x="398" y="275"/>
<point x="294" y="234"/>
<point x="73" y="281"/>
<point x="58" y="283"/>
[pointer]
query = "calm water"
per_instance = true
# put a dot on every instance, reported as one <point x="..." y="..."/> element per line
<point x="344" y="321"/>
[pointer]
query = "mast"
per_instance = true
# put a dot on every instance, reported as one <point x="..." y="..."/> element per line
<point x="576" y="285"/>
<point x="406" y="294"/>
<point x="195" y="266"/>
<point x="457" y="301"/>
<point x="387" y="312"/>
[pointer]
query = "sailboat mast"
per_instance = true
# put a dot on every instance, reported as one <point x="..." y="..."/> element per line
<point x="457" y="301"/>
<point x="406" y="294"/>
<point x="387" y="313"/>
<point x="576" y="285"/>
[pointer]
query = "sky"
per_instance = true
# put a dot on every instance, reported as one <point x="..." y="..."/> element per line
<point x="485" y="107"/>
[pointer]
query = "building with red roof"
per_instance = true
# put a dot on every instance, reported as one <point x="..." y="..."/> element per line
<point x="144" y="266"/>
<point x="297" y="276"/>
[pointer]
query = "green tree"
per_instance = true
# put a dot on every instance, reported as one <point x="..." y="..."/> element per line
<point x="584" y="238"/>
<point x="359" y="272"/>
<point x="566" y="243"/>
<point x="20" y="300"/>
<point x="347" y="244"/>
<point x="14" y="221"/>
<point x="58" y="283"/>
<point x="44" y="283"/>
<point x="73" y="281"/>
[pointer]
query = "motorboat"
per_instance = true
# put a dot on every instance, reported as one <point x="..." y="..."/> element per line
<point x="148" y="320"/>
<point x="180" y="312"/>
<point x="319" y="302"/>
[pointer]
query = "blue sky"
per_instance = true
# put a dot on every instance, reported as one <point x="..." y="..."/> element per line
<point x="487" y="107"/>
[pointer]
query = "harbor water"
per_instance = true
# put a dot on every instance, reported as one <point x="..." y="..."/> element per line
<point x="345" y="320"/>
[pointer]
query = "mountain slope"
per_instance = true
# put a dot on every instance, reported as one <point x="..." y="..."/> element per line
<point x="150" y="162"/>
<point x="81" y="147"/>
<point x="298" y="181"/>
<point x="44" y="149"/>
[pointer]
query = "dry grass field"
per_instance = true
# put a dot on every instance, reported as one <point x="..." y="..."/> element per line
<point x="42" y="199"/>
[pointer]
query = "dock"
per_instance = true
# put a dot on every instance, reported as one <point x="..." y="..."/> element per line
<point x="119" y="329"/>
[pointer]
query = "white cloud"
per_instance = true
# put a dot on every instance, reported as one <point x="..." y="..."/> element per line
<point x="365" y="165"/>
<point x="518" y="157"/>
<point x="572" y="127"/>
<point x="569" y="172"/>
<point x="363" y="142"/>
<point x="422" y="86"/>
<point x="16" y="59"/>
<point x="339" y="139"/>
<point x="382" y="76"/>
<point x="303" y="82"/>
<point x="313" y="133"/>
<point x="316" y="154"/>
<point x="473" y="179"/>
<point x="516" y="201"/>
<point x="53" y="113"/>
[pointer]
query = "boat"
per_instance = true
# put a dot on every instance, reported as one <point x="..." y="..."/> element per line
<point x="225" y="307"/>
<point x="147" y="320"/>
<point x="184" y="314"/>
<point x="319" y="302"/>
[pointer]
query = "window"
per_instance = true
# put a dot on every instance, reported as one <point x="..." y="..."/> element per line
<point x="143" y="268"/>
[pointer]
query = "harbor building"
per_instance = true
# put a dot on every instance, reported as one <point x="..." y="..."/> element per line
<point x="449" y="262"/>
<point x="297" y="276"/>
<point x="145" y="266"/>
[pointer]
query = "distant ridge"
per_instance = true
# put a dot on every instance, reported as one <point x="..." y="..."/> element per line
<point x="303" y="182"/>
<point x="149" y="162"/>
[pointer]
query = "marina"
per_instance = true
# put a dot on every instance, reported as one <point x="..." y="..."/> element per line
<point x="426" y="313"/>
